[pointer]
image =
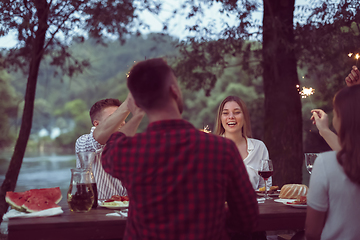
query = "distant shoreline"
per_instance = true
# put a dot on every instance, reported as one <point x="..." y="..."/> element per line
<point x="6" y="154"/>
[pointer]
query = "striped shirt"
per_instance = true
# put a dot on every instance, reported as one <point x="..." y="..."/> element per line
<point x="107" y="186"/>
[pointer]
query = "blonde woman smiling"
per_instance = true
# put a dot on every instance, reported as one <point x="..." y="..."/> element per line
<point x="233" y="122"/>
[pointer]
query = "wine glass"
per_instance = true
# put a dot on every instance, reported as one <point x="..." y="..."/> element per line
<point x="266" y="171"/>
<point x="309" y="160"/>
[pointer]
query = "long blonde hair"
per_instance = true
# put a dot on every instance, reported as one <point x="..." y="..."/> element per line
<point x="346" y="106"/>
<point x="246" y="130"/>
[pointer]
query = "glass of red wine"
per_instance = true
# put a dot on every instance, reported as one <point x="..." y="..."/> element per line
<point x="266" y="171"/>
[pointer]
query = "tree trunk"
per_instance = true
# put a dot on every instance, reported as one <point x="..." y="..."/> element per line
<point x="283" y="120"/>
<point x="12" y="173"/>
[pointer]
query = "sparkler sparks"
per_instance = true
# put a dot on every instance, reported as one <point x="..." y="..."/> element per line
<point x="306" y="92"/>
<point x="206" y="129"/>
<point x="356" y="56"/>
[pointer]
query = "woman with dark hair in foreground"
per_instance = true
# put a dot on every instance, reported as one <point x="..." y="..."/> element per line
<point x="333" y="199"/>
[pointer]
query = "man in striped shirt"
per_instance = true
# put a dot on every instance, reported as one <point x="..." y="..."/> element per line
<point x="106" y="184"/>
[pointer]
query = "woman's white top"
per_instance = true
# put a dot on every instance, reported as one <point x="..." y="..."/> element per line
<point x="332" y="191"/>
<point x="256" y="151"/>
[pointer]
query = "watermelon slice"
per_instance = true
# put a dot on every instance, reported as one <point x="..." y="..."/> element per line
<point x="53" y="194"/>
<point x="38" y="203"/>
<point x="17" y="199"/>
<point x="35" y="199"/>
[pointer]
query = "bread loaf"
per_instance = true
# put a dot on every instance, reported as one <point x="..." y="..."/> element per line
<point x="292" y="191"/>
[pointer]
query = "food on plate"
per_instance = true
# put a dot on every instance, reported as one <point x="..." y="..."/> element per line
<point x="117" y="198"/>
<point x="292" y="191"/>
<point x="34" y="200"/>
<point x="300" y="200"/>
<point x="116" y="204"/>
<point x="272" y="189"/>
<point x="116" y="201"/>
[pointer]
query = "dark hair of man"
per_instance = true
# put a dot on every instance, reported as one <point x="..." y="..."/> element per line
<point x="246" y="130"/>
<point x="148" y="82"/>
<point x="348" y="111"/>
<point x="95" y="110"/>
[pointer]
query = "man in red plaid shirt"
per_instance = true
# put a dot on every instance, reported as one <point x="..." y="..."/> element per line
<point x="177" y="177"/>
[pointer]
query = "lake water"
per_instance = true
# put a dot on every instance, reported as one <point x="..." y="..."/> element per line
<point x="42" y="172"/>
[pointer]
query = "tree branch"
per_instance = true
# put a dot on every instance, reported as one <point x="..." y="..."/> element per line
<point x="60" y="26"/>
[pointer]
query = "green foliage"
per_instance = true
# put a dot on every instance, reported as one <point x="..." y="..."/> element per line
<point x="72" y="109"/>
<point x="323" y="45"/>
<point x="8" y="110"/>
<point x="73" y="121"/>
<point x="64" y="103"/>
<point x="63" y="19"/>
<point x="201" y="62"/>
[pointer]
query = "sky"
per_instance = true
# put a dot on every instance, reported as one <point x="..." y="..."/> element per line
<point x="176" y="25"/>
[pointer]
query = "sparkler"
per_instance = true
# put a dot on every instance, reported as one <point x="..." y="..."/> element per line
<point x="306" y="92"/>
<point x="206" y="129"/>
<point x="356" y="56"/>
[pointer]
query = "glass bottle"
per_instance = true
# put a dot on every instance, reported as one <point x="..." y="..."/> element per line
<point x="86" y="161"/>
<point x="80" y="195"/>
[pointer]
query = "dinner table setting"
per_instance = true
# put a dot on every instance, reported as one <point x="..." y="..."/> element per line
<point x="100" y="223"/>
<point x="45" y="214"/>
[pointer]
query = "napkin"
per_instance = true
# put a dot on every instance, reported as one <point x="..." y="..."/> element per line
<point x="122" y="213"/>
<point x="284" y="200"/>
<point x="45" y="213"/>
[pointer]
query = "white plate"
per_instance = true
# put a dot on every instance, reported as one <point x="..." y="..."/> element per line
<point x="295" y="205"/>
<point x="120" y="205"/>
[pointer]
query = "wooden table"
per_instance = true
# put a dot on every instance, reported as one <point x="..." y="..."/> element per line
<point x="95" y="225"/>
<point x="277" y="216"/>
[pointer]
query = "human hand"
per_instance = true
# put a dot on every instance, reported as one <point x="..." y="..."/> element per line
<point x="133" y="108"/>
<point x="320" y="119"/>
<point x="353" y="78"/>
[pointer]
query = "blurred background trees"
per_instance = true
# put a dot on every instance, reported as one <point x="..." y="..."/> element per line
<point x="209" y="66"/>
<point x="296" y="51"/>
<point x="43" y="28"/>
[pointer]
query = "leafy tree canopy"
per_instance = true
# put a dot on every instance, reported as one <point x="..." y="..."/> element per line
<point x="64" y="19"/>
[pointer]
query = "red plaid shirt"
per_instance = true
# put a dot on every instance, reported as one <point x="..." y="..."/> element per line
<point x="178" y="179"/>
